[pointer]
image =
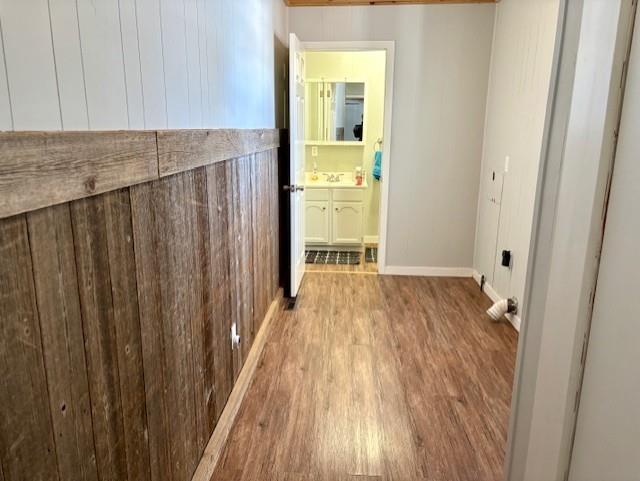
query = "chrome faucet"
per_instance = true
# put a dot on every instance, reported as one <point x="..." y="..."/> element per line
<point x="333" y="177"/>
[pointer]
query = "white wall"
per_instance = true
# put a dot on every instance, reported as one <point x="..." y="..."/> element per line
<point x="606" y="443"/>
<point x="140" y="64"/>
<point x="524" y="39"/>
<point x="441" y="71"/>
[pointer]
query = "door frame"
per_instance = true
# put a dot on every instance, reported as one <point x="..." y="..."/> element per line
<point x="389" y="48"/>
<point x="578" y="151"/>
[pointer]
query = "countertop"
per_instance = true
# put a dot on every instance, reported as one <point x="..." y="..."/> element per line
<point x="346" y="181"/>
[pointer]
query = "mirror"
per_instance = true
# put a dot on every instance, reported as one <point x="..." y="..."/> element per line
<point x="334" y="111"/>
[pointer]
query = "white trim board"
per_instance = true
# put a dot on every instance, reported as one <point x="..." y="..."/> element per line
<point x="420" y="271"/>
<point x="488" y="288"/>
<point x="515" y="321"/>
<point x="495" y="297"/>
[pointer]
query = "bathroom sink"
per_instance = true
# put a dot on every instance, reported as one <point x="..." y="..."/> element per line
<point x="333" y="180"/>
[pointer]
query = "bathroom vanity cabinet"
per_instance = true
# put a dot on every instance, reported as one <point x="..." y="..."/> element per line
<point x="334" y="217"/>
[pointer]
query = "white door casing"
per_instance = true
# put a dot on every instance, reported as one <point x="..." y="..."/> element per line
<point x="608" y="427"/>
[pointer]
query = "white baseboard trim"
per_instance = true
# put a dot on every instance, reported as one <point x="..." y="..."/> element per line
<point x="491" y="292"/>
<point x="428" y="271"/>
<point x="515" y="321"/>
<point x="495" y="297"/>
<point x="370" y="239"/>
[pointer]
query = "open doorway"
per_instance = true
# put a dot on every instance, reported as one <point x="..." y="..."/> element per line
<point x="342" y="114"/>
<point x="344" y="120"/>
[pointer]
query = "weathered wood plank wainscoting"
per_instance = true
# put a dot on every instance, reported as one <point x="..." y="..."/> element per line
<point x="125" y="257"/>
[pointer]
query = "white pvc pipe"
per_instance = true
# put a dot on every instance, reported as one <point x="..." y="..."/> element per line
<point x="498" y="310"/>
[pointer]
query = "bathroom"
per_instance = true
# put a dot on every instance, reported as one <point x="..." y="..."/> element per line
<point x="344" y="155"/>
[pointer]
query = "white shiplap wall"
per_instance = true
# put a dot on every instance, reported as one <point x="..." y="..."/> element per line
<point x="520" y="78"/>
<point x="139" y="64"/>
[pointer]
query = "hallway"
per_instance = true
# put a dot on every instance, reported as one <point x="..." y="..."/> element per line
<point x="377" y="378"/>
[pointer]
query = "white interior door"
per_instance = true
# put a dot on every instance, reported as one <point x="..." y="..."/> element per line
<point x="296" y="180"/>
<point x="607" y="442"/>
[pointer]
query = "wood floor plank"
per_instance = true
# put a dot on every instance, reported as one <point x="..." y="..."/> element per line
<point x="378" y="378"/>
<point x="233" y="459"/>
<point x="362" y="268"/>
<point x="301" y="375"/>
<point x="365" y="417"/>
<point x="400" y="453"/>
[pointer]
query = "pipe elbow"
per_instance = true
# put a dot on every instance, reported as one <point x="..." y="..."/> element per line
<point x="502" y="307"/>
<point x="498" y="310"/>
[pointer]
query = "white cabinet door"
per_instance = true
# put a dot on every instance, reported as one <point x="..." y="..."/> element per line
<point x="317" y="222"/>
<point x="347" y="223"/>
